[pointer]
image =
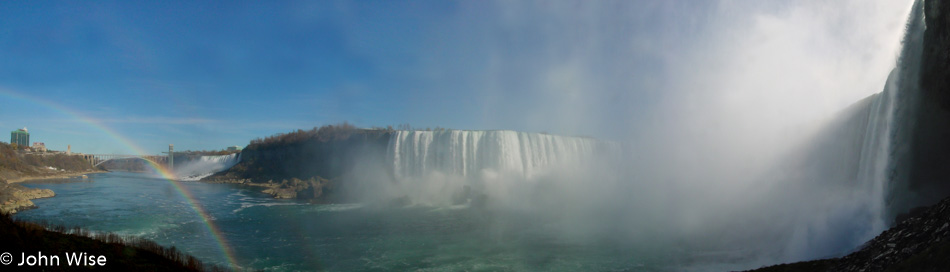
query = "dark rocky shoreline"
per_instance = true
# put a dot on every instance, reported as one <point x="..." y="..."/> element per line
<point x="919" y="243"/>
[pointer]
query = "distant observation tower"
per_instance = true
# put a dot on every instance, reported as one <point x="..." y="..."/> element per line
<point x="171" y="157"/>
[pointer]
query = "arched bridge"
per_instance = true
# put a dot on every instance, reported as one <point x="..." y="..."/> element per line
<point x="98" y="159"/>
<point x="166" y="160"/>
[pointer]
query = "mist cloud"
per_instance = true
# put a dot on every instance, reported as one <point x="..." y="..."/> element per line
<point x="712" y="100"/>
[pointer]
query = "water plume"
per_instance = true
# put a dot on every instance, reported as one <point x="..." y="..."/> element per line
<point x="204" y="166"/>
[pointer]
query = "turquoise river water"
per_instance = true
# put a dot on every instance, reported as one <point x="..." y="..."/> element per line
<point x="290" y="235"/>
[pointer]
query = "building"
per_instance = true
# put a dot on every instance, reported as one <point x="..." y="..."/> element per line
<point x="235" y="148"/>
<point x="20" y="137"/>
<point x="39" y="147"/>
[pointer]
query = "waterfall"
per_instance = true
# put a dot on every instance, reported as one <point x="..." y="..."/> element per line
<point x="888" y="114"/>
<point x="204" y="166"/>
<point x="469" y="153"/>
<point x="443" y="167"/>
<point x="854" y="170"/>
<point x="908" y="115"/>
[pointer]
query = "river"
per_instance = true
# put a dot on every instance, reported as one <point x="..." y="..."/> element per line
<point x="290" y="235"/>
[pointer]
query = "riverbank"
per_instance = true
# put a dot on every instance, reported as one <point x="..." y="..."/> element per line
<point x="15" y="197"/>
<point x="111" y="251"/>
<point x="64" y="175"/>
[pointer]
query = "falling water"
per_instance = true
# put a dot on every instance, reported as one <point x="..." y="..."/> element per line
<point x="205" y="166"/>
<point x="467" y="153"/>
<point x="852" y="171"/>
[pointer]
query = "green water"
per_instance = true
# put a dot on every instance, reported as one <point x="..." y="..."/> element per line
<point x="289" y="235"/>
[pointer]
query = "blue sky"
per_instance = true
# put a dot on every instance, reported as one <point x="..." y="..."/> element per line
<point x="206" y="75"/>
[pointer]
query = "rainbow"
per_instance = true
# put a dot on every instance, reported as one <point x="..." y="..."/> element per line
<point x="163" y="171"/>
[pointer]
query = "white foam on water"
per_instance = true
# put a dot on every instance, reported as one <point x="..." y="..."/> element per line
<point x="205" y="166"/>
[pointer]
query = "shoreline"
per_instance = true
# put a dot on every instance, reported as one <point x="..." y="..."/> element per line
<point x="269" y="188"/>
<point x="285" y="189"/>
<point x="54" y="176"/>
<point x="15" y="197"/>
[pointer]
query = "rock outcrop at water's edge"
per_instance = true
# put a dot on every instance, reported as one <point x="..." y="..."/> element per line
<point x="919" y="243"/>
<point x="14" y="197"/>
<point x="314" y="188"/>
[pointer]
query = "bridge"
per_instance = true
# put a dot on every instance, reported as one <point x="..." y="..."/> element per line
<point x="99" y="159"/>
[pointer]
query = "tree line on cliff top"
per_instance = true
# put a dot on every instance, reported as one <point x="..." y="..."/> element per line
<point x="10" y="159"/>
<point x="341" y="131"/>
<point x="324" y="134"/>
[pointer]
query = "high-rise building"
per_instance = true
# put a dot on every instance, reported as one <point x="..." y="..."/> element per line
<point x="21" y="137"/>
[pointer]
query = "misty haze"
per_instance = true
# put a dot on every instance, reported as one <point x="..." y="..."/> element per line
<point x="476" y="135"/>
